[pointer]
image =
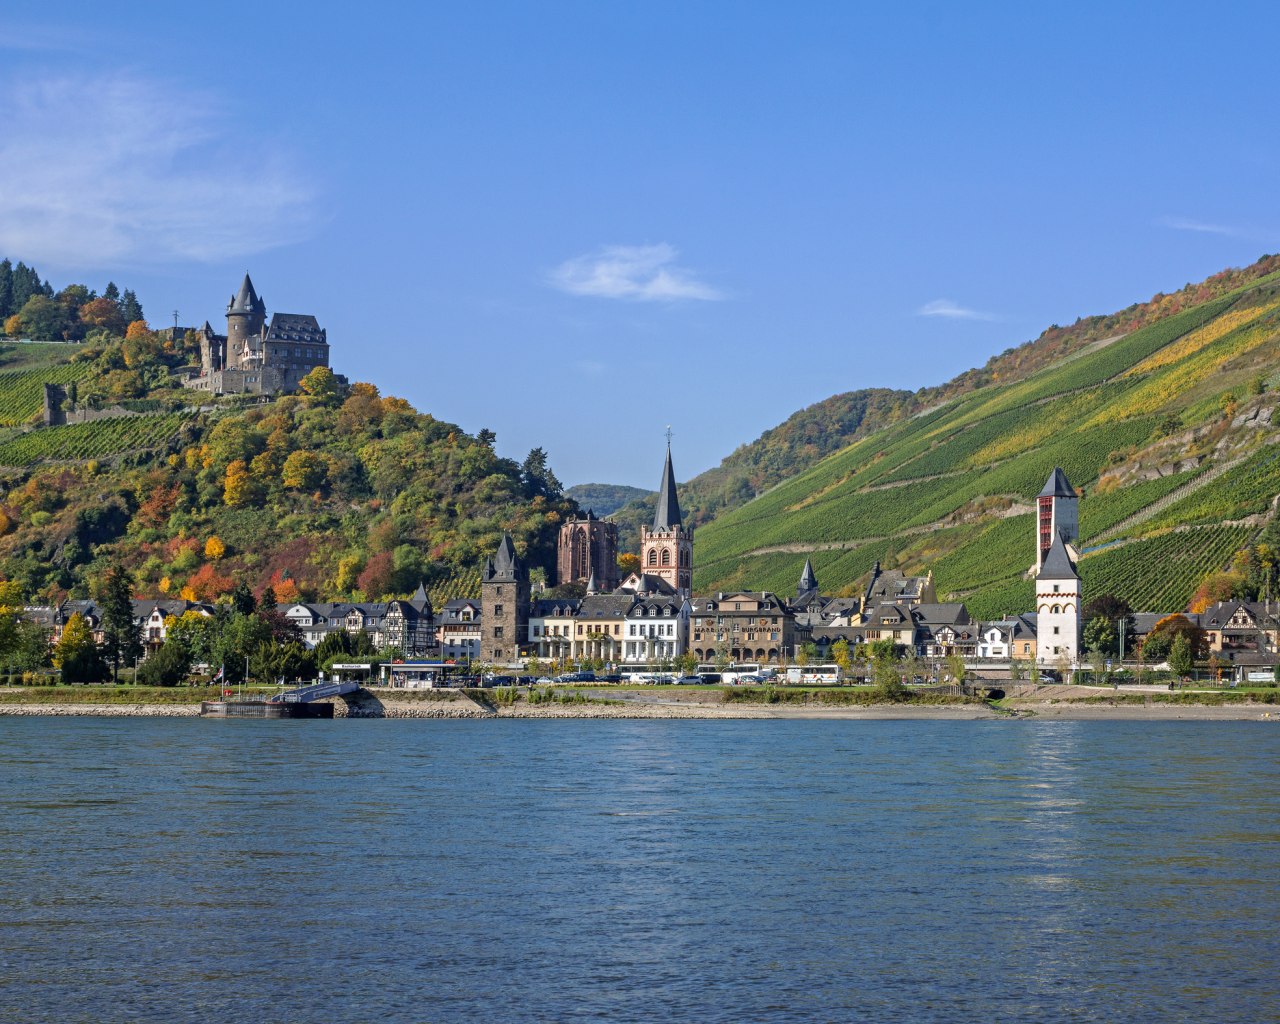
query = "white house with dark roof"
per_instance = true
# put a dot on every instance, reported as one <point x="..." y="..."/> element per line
<point x="656" y="629"/>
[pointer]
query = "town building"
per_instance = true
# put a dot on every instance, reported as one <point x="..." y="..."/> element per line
<point x="257" y="357"/>
<point x="892" y="586"/>
<point x="405" y="624"/>
<point x="744" y="626"/>
<point x="458" y="630"/>
<point x="1008" y="639"/>
<point x="656" y="630"/>
<point x="588" y="548"/>
<point x="552" y="625"/>
<point x="504" y="605"/>
<point x="598" y="627"/>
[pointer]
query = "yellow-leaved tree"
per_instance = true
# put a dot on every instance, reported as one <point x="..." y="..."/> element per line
<point x="236" y="486"/>
<point x="214" y="548"/>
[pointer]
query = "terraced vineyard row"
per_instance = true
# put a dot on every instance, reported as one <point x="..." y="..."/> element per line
<point x="90" y="440"/>
<point x="1161" y="573"/>
<point x="22" y="391"/>
<point x="1246" y="489"/>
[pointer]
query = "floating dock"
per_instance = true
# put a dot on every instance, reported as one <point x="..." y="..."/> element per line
<point x="264" y="709"/>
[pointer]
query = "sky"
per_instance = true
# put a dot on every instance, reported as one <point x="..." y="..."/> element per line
<point x="577" y="224"/>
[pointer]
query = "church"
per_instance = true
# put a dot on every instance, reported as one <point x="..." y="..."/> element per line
<point x="255" y="356"/>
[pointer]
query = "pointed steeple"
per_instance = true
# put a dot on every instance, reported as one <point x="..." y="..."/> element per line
<point x="246" y="300"/>
<point x="1057" y="486"/>
<point x="1057" y="563"/>
<point x="808" y="581"/>
<point x="591" y="583"/>
<point x="505" y="561"/>
<point x="667" y="515"/>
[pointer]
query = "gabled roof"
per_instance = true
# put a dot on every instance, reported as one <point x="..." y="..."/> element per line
<point x="1057" y="486"/>
<point x="1057" y="563"/>
<point x="666" y="515"/>
<point x="302" y="328"/>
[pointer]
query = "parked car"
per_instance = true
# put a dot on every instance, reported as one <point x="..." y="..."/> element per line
<point x="688" y="681"/>
<point x="546" y="681"/>
<point x="711" y="678"/>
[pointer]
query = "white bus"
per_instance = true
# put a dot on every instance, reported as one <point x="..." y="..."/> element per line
<point x="814" y="675"/>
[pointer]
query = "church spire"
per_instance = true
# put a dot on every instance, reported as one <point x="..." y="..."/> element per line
<point x="667" y="514"/>
<point x="808" y="581"/>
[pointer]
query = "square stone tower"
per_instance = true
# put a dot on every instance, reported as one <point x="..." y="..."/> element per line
<point x="504" y="606"/>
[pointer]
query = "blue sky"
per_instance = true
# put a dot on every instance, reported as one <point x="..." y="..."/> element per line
<point x="578" y="223"/>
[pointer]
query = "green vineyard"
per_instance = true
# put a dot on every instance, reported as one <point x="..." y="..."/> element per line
<point x="97" y="440"/>
<point x="931" y="492"/>
<point x="22" y="391"/>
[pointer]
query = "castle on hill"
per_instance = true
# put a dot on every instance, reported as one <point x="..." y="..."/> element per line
<point x="255" y="356"/>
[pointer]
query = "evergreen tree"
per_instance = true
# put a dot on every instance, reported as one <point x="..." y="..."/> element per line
<point x="269" y="601"/>
<point x="130" y="308"/>
<point x="26" y="283"/>
<point x="120" y="634"/>
<point x="242" y="599"/>
<point x="111" y="293"/>
<point x="6" y="290"/>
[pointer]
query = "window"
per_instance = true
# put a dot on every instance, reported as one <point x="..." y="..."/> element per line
<point x="497" y="609"/>
<point x="666" y="556"/>
<point x="1055" y="588"/>
<point x="653" y="556"/>
<point x="1056" y="631"/>
<point x="497" y="632"/>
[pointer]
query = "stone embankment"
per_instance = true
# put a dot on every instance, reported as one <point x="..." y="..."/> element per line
<point x="103" y="710"/>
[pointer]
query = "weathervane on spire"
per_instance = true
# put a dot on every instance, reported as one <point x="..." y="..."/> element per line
<point x="668" y="435"/>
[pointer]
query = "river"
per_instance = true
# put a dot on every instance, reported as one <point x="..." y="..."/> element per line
<point x="583" y="870"/>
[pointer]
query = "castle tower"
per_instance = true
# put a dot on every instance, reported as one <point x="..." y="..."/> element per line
<point x="587" y="547"/>
<point x="246" y="315"/>
<point x="1057" y="515"/>
<point x="504" y="605"/>
<point x="808" y="585"/>
<point x="666" y="548"/>
<point x="1058" y="600"/>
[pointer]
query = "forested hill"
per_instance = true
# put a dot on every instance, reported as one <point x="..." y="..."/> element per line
<point x="336" y="493"/>
<point x="1162" y="416"/>
<point x="828" y="426"/>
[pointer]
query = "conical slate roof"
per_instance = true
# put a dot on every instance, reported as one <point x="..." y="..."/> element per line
<point x="246" y="299"/>
<point x="591" y="583"/>
<point x="1057" y="564"/>
<point x="505" y="560"/>
<point x="808" y="581"/>
<point x="667" y="514"/>
<point x="1057" y="486"/>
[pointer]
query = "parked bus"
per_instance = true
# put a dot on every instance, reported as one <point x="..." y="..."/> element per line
<point x="814" y="675"/>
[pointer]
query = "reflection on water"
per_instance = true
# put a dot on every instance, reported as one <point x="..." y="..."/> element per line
<point x="171" y="869"/>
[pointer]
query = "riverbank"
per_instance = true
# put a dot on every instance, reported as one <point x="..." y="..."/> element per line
<point x="1023" y="709"/>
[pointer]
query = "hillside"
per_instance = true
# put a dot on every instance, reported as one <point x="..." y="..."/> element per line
<point x="605" y="499"/>
<point x="336" y="493"/>
<point x="812" y="434"/>
<point x="1165" y="429"/>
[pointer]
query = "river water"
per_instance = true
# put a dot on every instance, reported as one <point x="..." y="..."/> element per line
<point x="189" y="870"/>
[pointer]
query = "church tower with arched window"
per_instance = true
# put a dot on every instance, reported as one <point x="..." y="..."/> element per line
<point x="666" y="547"/>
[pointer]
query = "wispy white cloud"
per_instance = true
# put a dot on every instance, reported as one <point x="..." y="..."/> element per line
<point x="122" y="168"/>
<point x="643" y="273"/>
<point x="953" y="311"/>
<point x="1187" y="224"/>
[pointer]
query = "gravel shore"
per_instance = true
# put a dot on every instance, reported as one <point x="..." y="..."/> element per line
<point x="465" y="708"/>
